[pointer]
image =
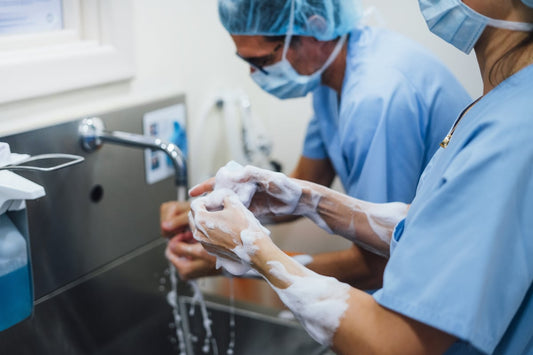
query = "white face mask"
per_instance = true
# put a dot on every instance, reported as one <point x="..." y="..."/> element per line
<point x="283" y="81"/>
<point x="459" y="25"/>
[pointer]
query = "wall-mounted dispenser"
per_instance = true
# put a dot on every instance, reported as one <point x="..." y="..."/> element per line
<point x="16" y="287"/>
<point x="16" y="284"/>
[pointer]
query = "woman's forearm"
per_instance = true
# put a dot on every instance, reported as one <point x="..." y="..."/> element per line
<point x="334" y="314"/>
<point x="369" y="328"/>
<point x="317" y="301"/>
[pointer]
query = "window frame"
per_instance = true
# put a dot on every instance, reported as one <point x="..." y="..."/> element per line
<point x="95" y="47"/>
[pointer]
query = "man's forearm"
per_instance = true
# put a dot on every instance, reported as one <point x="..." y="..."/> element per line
<point x="355" y="266"/>
<point x="369" y="225"/>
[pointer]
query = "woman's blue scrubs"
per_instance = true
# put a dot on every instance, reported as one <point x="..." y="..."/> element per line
<point x="462" y="260"/>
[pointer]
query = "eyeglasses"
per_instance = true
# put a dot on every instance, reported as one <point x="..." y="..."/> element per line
<point x="259" y="63"/>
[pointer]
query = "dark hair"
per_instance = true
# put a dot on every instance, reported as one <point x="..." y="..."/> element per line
<point x="275" y="38"/>
<point x="294" y="40"/>
<point x="505" y="62"/>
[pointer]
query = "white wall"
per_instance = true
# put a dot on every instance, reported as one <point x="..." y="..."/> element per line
<point x="404" y="16"/>
<point x="182" y="48"/>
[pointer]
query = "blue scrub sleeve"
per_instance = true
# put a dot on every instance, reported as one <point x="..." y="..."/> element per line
<point x="466" y="239"/>
<point x="313" y="145"/>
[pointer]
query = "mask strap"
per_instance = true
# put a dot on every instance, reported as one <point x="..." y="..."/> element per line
<point x="504" y="24"/>
<point x="290" y="30"/>
<point x="335" y="53"/>
<point x="511" y="25"/>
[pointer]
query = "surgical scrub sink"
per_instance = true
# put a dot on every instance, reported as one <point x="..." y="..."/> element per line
<point x="98" y="259"/>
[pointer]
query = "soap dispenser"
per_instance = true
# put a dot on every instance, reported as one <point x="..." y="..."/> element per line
<point x="16" y="286"/>
<point x="16" y="296"/>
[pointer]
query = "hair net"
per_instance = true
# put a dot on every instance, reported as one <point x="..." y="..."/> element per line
<point x="322" y="19"/>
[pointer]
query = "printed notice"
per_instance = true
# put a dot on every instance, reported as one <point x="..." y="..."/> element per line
<point x="170" y="125"/>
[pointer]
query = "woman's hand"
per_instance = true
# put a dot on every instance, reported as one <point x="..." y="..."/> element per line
<point x="227" y="229"/>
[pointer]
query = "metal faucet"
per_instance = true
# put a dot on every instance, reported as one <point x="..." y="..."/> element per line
<point x="93" y="134"/>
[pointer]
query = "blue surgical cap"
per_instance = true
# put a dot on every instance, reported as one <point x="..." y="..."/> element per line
<point x="528" y="2"/>
<point x="322" y="19"/>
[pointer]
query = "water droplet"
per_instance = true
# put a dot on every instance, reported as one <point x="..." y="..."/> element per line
<point x="171" y="299"/>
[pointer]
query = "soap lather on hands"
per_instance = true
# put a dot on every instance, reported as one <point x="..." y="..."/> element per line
<point x="227" y="229"/>
<point x="269" y="194"/>
<point x="223" y="220"/>
<point x="264" y="192"/>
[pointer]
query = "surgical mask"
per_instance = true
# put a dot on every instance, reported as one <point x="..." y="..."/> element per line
<point x="284" y="82"/>
<point x="459" y="25"/>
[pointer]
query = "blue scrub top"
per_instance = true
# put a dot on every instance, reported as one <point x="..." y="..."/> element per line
<point x="462" y="260"/>
<point x="398" y="102"/>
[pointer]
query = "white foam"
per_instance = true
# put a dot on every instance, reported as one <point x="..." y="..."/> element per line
<point x="309" y="210"/>
<point x="317" y="301"/>
<point x="383" y="218"/>
<point x="232" y="176"/>
<point x="244" y="248"/>
<point x="304" y="259"/>
<point x="283" y="193"/>
<point x="233" y="267"/>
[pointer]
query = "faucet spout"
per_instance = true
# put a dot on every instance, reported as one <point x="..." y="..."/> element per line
<point x="93" y="134"/>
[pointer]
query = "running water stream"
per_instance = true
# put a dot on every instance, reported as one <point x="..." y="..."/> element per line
<point x="231" y="345"/>
<point x="173" y="300"/>
<point x="199" y="298"/>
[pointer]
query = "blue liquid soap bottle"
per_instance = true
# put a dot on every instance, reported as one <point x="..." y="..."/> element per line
<point x="16" y="296"/>
<point x="16" y="286"/>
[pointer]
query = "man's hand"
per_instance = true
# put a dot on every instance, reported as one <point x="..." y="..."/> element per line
<point x="174" y="219"/>
<point x="190" y="259"/>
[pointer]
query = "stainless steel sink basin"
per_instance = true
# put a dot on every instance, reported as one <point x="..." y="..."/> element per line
<point x="255" y="332"/>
